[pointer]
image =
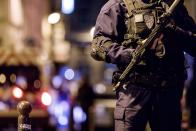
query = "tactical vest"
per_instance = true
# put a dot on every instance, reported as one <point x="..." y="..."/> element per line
<point x="140" y="19"/>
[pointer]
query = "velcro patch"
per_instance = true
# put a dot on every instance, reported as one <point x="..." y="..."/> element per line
<point x="139" y="18"/>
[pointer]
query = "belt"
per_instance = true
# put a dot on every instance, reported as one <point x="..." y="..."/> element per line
<point x="151" y="80"/>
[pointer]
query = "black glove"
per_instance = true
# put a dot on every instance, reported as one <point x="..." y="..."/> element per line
<point x="186" y="39"/>
<point x="181" y="33"/>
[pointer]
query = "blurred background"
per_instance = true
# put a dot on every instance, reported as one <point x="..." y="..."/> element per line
<point x="44" y="59"/>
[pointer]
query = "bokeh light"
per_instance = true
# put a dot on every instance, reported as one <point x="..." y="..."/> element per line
<point x="63" y="120"/>
<point x="78" y="114"/>
<point x="100" y="88"/>
<point x="54" y="18"/>
<point x="2" y="78"/>
<point x="57" y="81"/>
<point x="46" y="98"/>
<point x="69" y="74"/>
<point x="67" y="6"/>
<point x="22" y="81"/>
<point x="92" y="31"/>
<point x="37" y="84"/>
<point x="13" y="78"/>
<point x="17" y="92"/>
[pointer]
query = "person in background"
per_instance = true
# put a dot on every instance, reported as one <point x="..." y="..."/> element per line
<point x="85" y="99"/>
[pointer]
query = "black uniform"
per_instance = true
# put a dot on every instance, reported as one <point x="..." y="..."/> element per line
<point x="155" y="86"/>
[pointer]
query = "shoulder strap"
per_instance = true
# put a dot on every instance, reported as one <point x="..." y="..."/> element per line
<point x="137" y="5"/>
<point x="129" y="5"/>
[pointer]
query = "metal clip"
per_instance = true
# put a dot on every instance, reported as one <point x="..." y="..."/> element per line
<point x="116" y="86"/>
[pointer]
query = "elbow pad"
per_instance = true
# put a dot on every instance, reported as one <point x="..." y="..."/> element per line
<point x="97" y="52"/>
<point x="99" y="48"/>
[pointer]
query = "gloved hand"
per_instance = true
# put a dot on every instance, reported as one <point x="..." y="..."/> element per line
<point x="179" y="31"/>
<point x="125" y="57"/>
<point x="185" y="38"/>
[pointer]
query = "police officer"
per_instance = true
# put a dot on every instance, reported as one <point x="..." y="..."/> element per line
<point x="153" y="90"/>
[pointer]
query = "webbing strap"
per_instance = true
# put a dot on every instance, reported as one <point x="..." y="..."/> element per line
<point x="129" y="5"/>
<point x="137" y="4"/>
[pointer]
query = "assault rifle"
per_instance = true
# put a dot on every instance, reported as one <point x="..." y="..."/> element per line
<point x="137" y="54"/>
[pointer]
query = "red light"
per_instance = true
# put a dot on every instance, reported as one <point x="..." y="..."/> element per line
<point x="17" y="92"/>
<point x="46" y="98"/>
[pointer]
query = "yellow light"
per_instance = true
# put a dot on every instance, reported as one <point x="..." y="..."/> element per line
<point x="92" y="31"/>
<point x="54" y="18"/>
<point x="13" y="77"/>
<point x="46" y="99"/>
<point x="37" y="84"/>
<point x="16" y="12"/>
<point x="17" y="92"/>
<point x="2" y="78"/>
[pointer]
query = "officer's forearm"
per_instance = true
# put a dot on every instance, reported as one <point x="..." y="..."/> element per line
<point x="99" y="47"/>
<point x="109" y="51"/>
<point x="187" y="40"/>
<point x="182" y="34"/>
<point x="187" y="35"/>
<point x="118" y="54"/>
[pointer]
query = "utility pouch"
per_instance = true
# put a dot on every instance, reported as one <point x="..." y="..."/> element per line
<point x="144" y="22"/>
<point x="139" y="23"/>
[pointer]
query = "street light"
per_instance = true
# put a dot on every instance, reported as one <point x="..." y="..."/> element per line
<point x="17" y="92"/>
<point x="54" y="18"/>
<point x="67" y="6"/>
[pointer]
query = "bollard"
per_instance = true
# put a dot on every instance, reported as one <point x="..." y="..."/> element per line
<point x="24" y="108"/>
